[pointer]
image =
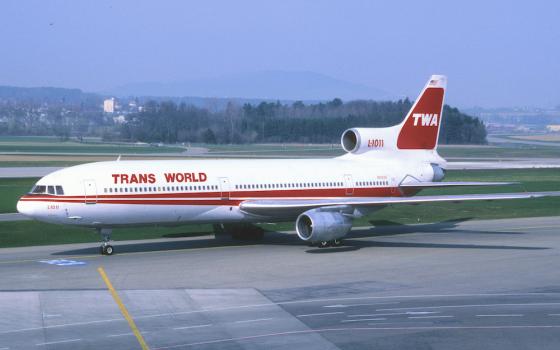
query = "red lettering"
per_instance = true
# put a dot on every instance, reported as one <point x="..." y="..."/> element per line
<point x="143" y="178"/>
<point x="181" y="177"/>
<point x="151" y="178"/>
<point x="375" y="143"/>
<point x="115" y="178"/>
<point x="124" y="178"/>
<point x="169" y="177"/>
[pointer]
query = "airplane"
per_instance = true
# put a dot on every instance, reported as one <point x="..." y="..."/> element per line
<point x="381" y="167"/>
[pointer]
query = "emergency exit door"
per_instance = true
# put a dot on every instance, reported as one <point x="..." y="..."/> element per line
<point x="90" y="190"/>
<point x="349" y="184"/>
<point x="224" y="187"/>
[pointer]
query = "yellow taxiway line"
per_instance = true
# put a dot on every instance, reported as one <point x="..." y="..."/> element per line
<point x="123" y="309"/>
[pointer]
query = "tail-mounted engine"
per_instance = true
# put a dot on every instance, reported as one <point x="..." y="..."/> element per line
<point x="360" y="140"/>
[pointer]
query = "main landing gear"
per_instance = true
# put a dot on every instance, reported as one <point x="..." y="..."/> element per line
<point x="240" y="231"/>
<point x="106" y="248"/>
<point x="333" y="243"/>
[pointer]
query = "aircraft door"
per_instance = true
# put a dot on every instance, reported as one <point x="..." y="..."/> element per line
<point x="90" y="191"/>
<point x="349" y="184"/>
<point x="224" y="187"/>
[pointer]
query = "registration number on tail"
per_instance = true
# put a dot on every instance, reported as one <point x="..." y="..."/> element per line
<point x="376" y="143"/>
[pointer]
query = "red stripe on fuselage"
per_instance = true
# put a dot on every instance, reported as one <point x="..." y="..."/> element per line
<point x="211" y="198"/>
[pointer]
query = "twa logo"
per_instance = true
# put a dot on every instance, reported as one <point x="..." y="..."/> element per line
<point x="425" y="119"/>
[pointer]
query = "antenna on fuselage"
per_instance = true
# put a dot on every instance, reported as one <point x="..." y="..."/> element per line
<point x="119" y="158"/>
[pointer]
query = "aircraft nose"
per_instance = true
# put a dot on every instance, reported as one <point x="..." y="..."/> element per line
<point x="24" y="208"/>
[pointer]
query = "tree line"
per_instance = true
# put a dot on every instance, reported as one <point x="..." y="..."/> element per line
<point x="270" y="122"/>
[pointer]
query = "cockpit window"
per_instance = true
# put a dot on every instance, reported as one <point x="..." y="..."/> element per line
<point x="42" y="189"/>
<point x="39" y="189"/>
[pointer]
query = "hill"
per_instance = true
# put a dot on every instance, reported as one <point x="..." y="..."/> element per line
<point x="276" y="85"/>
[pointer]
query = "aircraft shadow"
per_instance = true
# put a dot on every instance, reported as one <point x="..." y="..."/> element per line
<point x="388" y="228"/>
<point x="162" y="246"/>
<point x="352" y="242"/>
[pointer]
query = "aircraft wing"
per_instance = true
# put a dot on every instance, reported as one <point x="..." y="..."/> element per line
<point x="270" y="207"/>
<point x="421" y="185"/>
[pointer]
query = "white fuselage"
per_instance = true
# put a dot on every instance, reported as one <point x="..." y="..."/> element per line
<point x="172" y="192"/>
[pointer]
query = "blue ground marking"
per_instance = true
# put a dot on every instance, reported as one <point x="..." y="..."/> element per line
<point x="63" y="262"/>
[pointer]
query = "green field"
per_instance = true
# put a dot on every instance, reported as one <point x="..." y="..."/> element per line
<point x="42" y="145"/>
<point x="11" y="190"/>
<point x="513" y="151"/>
<point x="39" y="163"/>
<point x="24" y="233"/>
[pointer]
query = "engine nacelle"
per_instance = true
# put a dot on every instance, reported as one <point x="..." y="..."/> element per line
<point x="439" y="172"/>
<point x="429" y="172"/>
<point x="360" y="140"/>
<point x="318" y="226"/>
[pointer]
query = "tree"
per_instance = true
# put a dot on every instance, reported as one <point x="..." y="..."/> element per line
<point x="209" y="137"/>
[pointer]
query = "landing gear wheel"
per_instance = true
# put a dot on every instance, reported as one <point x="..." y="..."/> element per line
<point x="108" y="249"/>
<point x="323" y="244"/>
<point x="337" y="242"/>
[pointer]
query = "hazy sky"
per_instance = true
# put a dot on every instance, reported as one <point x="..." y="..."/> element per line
<point x="495" y="53"/>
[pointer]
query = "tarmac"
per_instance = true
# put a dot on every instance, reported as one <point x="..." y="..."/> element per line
<point x="451" y="285"/>
<point x="13" y="217"/>
<point x="463" y="164"/>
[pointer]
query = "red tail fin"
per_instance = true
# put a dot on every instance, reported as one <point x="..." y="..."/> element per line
<point x="420" y="129"/>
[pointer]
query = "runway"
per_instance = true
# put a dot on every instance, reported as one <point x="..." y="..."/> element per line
<point x="461" y="285"/>
<point x="458" y="164"/>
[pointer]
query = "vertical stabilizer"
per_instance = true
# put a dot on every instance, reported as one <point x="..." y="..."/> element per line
<point x="420" y="128"/>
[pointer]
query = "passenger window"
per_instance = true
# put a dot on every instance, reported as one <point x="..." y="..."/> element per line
<point x="59" y="191"/>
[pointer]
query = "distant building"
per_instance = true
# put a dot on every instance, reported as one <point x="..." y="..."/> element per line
<point x="120" y="119"/>
<point x="553" y="128"/>
<point x="109" y="105"/>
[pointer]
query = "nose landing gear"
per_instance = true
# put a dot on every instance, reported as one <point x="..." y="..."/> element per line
<point x="106" y="248"/>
